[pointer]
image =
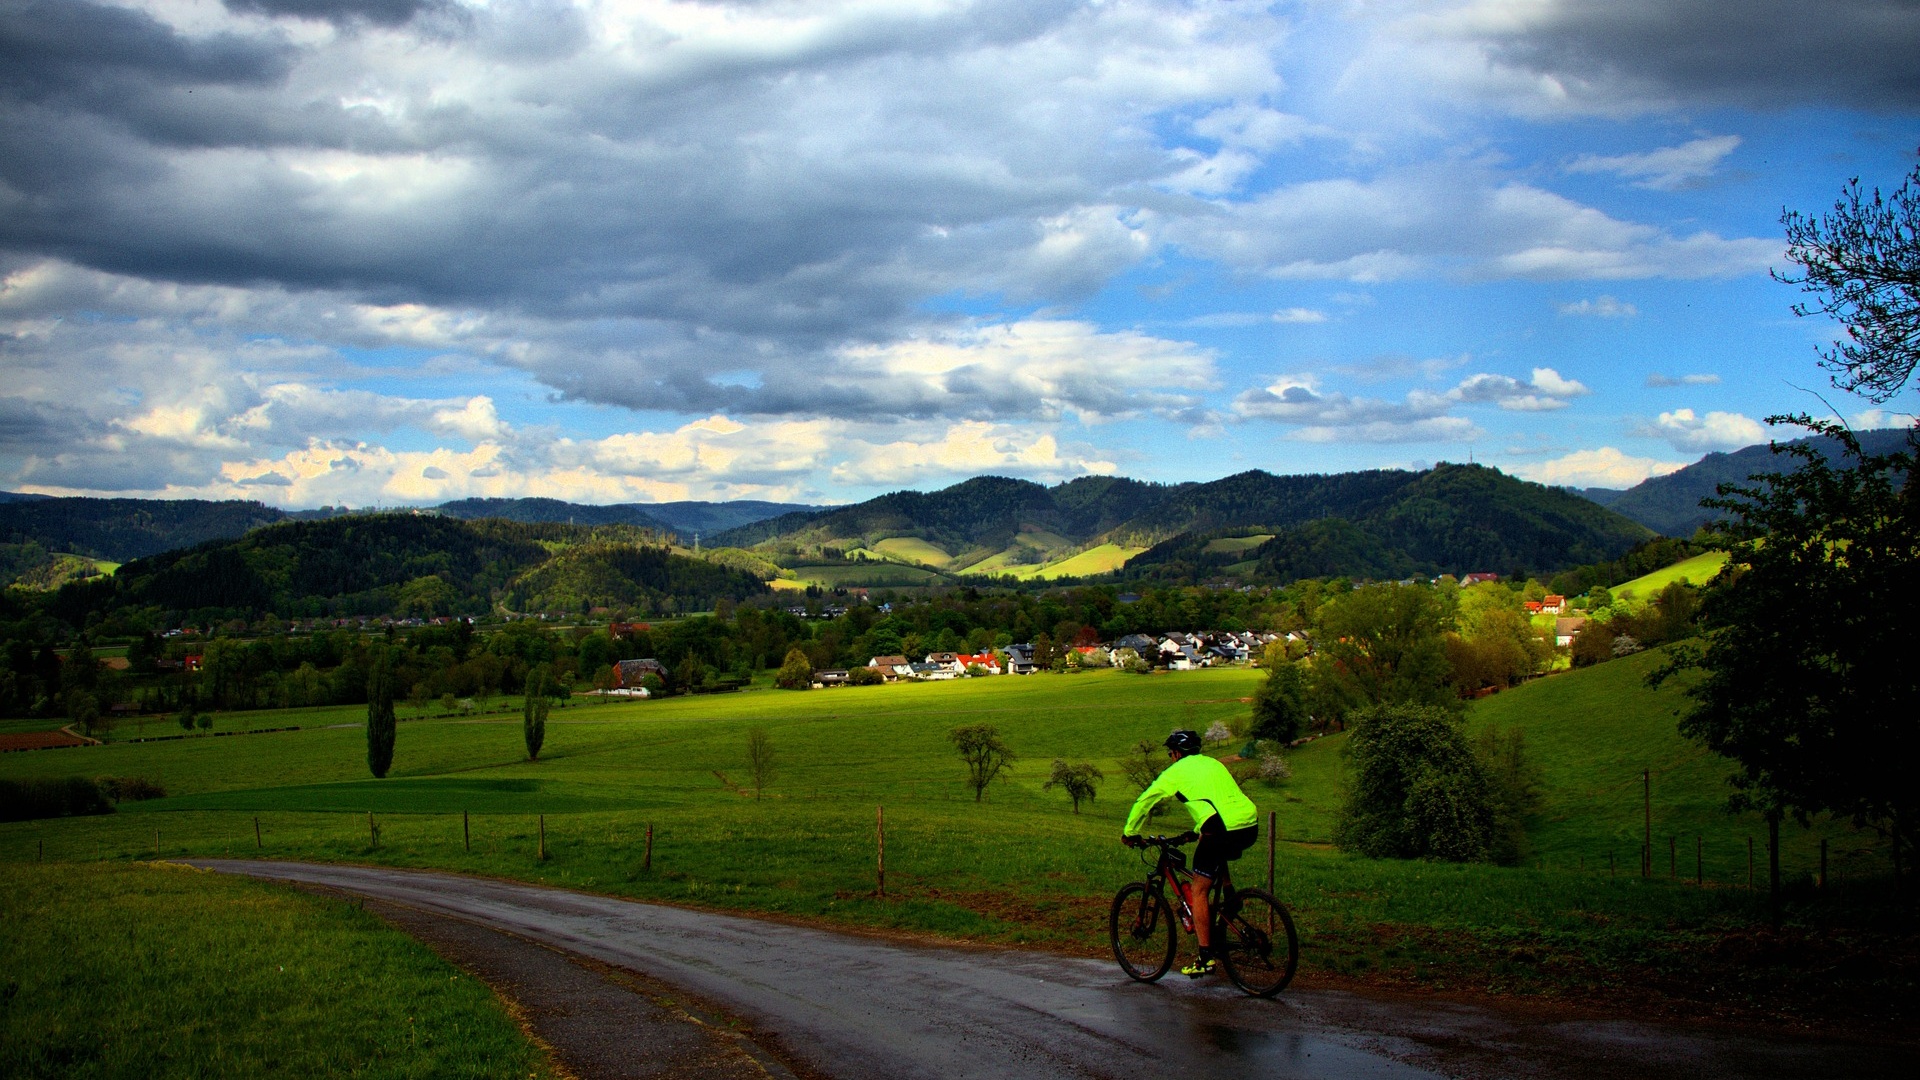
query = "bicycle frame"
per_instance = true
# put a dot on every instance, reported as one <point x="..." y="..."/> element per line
<point x="1172" y="866"/>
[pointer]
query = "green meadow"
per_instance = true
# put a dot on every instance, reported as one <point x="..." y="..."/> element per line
<point x="1695" y="571"/>
<point x="159" y="971"/>
<point x="1018" y="867"/>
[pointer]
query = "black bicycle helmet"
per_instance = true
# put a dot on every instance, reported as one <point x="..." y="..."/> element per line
<point x="1187" y="742"/>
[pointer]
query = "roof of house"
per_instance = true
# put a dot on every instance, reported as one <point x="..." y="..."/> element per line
<point x="887" y="661"/>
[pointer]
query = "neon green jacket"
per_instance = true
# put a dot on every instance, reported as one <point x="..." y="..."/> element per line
<point x="1205" y="786"/>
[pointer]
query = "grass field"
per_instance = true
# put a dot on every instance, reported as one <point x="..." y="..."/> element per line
<point x="871" y="574"/>
<point x="1103" y="559"/>
<point x="914" y="549"/>
<point x="1019" y="867"/>
<point x="1696" y="571"/>
<point x="156" y="971"/>
<point x="1236" y="544"/>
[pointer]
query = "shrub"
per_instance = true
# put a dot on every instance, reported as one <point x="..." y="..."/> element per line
<point x="1218" y="732"/>
<point x="1415" y="789"/>
<point x="1273" y="768"/>
<point x="866" y="676"/>
<point x="32" y="799"/>
<point x="131" y="788"/>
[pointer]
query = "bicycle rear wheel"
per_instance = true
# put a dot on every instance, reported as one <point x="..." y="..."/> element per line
<point x="1257" y="942"/>
<point x="1141" y="928"/>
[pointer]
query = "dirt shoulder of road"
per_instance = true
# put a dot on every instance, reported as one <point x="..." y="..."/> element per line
<point x="593" y="1020"/>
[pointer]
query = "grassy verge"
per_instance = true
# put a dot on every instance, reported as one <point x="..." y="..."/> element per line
<point x="157" y="971"/>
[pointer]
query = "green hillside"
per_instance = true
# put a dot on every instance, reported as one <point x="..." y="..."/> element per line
<point x="1382" y="525"/>
<point x="1593" y="731"/>
<point x="406" y="564"/>
<point x="1695" y="571"/>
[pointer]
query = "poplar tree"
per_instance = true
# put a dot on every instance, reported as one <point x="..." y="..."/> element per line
<point x="380" y="719"/>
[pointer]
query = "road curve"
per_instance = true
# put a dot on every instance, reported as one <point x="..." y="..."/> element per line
<point x="861" y="1008"/>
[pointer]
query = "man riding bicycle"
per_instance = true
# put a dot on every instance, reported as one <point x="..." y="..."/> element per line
<point x="1227" y="821"/>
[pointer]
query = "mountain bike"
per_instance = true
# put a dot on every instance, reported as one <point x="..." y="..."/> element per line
<point x="1253" y="932"/>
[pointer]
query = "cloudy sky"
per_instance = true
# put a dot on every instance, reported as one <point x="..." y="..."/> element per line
<point x="401" y="251"/>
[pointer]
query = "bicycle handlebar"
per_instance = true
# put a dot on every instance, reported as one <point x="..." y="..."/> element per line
<point x="1166" y="841"/>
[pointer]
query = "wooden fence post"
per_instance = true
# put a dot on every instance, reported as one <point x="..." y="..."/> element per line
<point x="466" y="832"/>
<point x="257" y="843"/>
<point x="156" y="843"/>
<point x="880" y="848"/>
<point x="646" y="862"/>
<point x="543" y="838"/>
<point x="373" y="831"/>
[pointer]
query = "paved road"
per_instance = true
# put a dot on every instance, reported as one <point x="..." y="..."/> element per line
<point x="854" y="1007"/>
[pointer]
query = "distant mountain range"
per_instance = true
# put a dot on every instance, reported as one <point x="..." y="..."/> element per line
<point x="119" y="530"/>
<point x="1253" y="525"/>
<point x="1670" y="504"/>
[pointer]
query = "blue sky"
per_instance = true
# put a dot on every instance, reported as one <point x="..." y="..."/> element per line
<point x="379" y="252"/>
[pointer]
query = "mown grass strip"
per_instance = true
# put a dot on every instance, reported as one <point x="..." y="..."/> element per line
<point x="153" y="971"/>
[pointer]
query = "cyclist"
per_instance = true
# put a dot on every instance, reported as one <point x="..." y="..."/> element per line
<point x="1227" y="821"/>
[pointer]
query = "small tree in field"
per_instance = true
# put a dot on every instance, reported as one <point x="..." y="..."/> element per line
<point x="796" y="672"/>
<point x="533" y="712"/>
<point x="1079" y="780"/>
<point x="1280" y="704"/>
<point x="759" y="759"/>
<point x="1142" y="767"/>
<point x="380" y="719"/>
<point x="985" y="753"/>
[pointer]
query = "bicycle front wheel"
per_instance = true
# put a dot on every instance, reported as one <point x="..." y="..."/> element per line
<point x="1257" y="942"/>
<point x="1141" y="928"/>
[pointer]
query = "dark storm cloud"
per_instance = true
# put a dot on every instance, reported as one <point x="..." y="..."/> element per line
<point x="378" y="12"/>
<point x="643" y="212"/>
<point x="59" y="48"/>
<point x="1765" y="53"/>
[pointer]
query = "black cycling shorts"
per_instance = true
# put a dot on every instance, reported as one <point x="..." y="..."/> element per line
<point x="1219" y="846"/>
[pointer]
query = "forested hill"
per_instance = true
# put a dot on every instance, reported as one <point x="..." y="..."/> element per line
<point x="684" y="518"/>
<point x="122" y="529"/>
<point x="409" y="564"/>
<point x="1454" y="519"/>
<point x="984" y="512"/>
<point x="1670" y="504"/>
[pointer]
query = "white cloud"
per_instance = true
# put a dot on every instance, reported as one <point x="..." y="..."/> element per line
<point x="1601" y="307"/>
<point x="1714" y="431"/>
<point x="1450" y="220"/>
<point x="1871" y="419"/>
<point x="1299" y="315"/>
<point x="1671" y="168"/>
<point x="1659" y="380"/>
<point x="1544" y="391"/>
<point x="1605" y="467"/>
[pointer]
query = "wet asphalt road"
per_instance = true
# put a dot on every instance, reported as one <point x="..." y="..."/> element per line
<point x="854" y="1007"/>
